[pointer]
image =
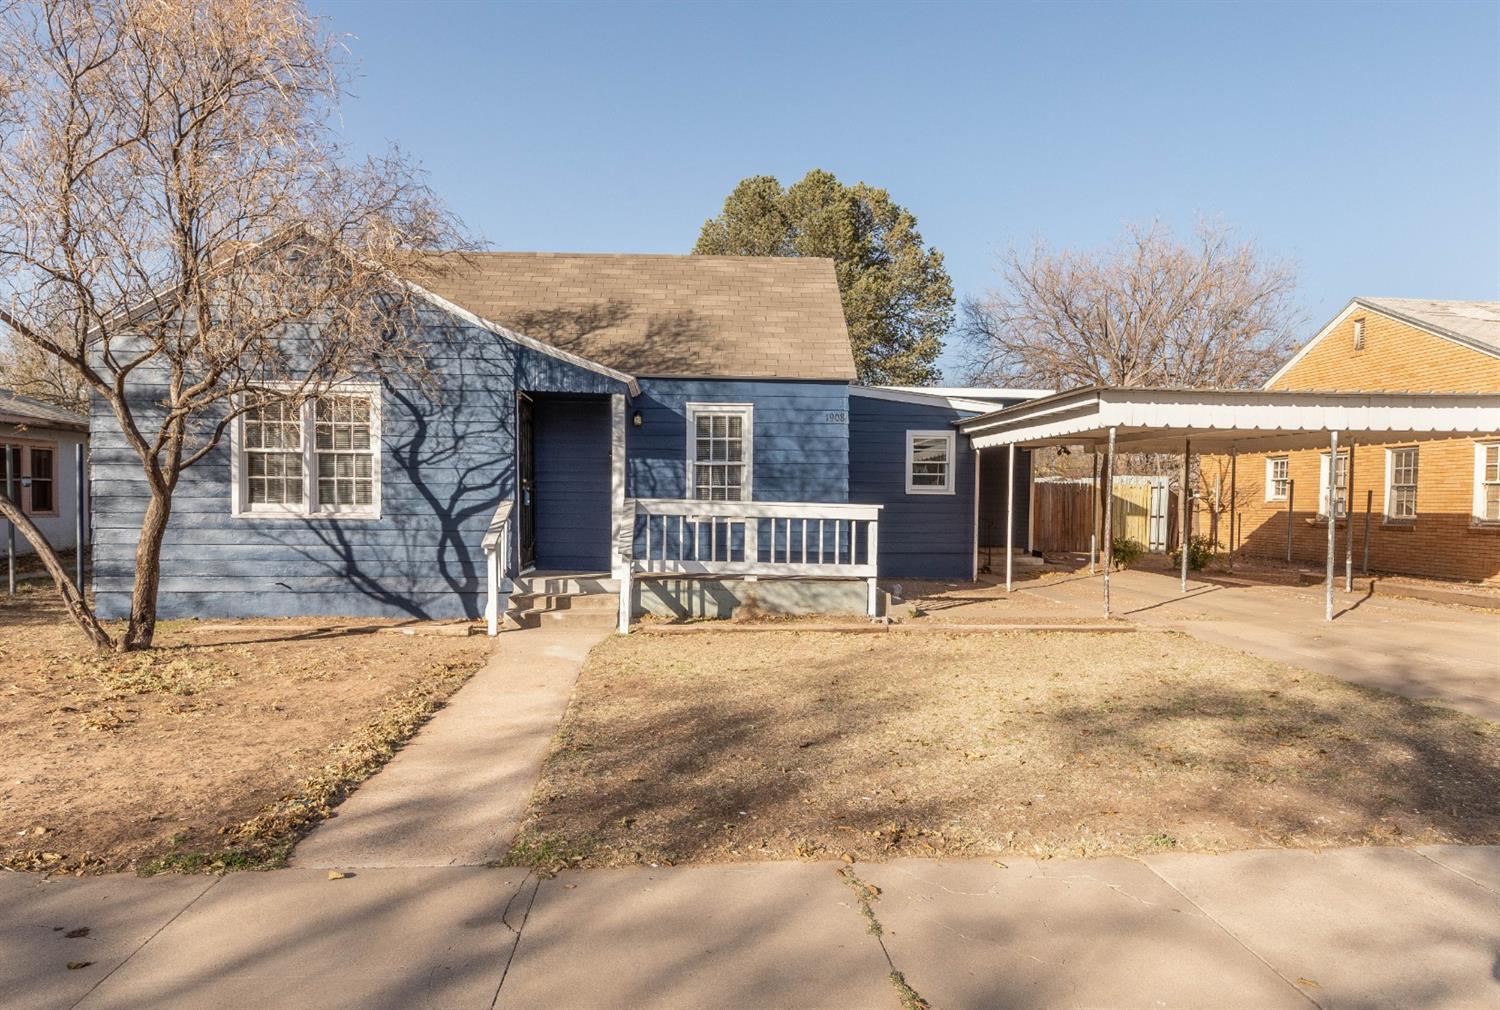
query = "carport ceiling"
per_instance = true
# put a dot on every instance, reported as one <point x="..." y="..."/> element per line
<point x="1217" y="420"/>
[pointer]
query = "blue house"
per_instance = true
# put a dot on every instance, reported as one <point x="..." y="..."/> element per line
<point x="684" y="428"/>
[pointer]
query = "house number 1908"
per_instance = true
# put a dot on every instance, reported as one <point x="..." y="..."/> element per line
<point x="836" y="416"/>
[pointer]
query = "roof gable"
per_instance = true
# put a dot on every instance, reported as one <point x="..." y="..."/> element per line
<point x="1475" y="325"/>
<point x="654" y="315"/>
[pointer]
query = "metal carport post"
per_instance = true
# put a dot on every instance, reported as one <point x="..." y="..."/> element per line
<point x="1229" y="421"/>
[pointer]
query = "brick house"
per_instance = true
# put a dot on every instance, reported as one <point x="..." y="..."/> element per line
<point x="1434" y="507"/>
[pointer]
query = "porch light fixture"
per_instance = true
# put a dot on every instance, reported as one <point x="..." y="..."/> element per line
<point x="635" y="419"/>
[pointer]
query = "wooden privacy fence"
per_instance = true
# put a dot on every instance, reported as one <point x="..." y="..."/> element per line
<point x="1064" y="515"/>
<point x="1143" y="511"/>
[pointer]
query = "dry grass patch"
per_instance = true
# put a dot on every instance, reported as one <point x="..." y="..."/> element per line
<point x="218" y="749"/>
<point x="721" y="747"/>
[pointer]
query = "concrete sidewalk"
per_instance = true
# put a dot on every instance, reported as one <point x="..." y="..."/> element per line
<point x="1297" y="929"/>
<point x="456" y="793"/>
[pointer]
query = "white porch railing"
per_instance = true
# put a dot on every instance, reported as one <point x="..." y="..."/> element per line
<point x="496" y="545"/>
<point x="671" y="536"/>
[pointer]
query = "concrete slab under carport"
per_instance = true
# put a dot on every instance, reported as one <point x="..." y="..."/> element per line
<point x="766" y="935"/>
<point x="1024" y="933"/>
<point x="121" y="912"/>
<point x="398" y="939"/>
<point x="1372" y="928"/>
<point x="1411" y="647"/>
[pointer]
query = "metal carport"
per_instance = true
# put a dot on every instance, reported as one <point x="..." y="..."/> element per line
<point x="1226" y="421"/>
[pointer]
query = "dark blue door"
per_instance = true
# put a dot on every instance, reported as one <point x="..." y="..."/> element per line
<point x="572" y="500"/>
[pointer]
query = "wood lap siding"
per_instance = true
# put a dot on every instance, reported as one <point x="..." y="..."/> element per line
<point x="446" y="462"/>
<point x="921" y="536"/>
<point x="801" y="437"/>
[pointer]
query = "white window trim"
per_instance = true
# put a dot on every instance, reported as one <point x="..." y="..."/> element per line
<point x="1271" y="494"/>
<point x="239" y="498"/>
<point x="1390" y="476"/>
<point x="1325" y="477"/>
<point x="690" y="454"/>
<point x="1477" y="513"/>
<point x="950" y="482"/>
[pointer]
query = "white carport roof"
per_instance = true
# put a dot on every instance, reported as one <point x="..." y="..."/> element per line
<point x="1217" y="420"/>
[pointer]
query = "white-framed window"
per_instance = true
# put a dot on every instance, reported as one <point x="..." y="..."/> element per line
<point x="320" y="457"/>
<point x="1278" y="477"/>
<point x="1341" y="486"/>
<point x="1401" y="484"/>
<point x="1359" y="334"/>
<point x="929" y="462"/>
<point x="1487" y="482"/>
<point x="720" y="450"/>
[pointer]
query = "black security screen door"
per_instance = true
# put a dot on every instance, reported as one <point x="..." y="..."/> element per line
<point x="526" y="482"/>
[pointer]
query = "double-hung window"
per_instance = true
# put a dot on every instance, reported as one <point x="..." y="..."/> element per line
<point x="317" y="457"/>
<point x="1340" y="486"/>
<point x="1278" y="477"/>
<point x="929" y="462"/>
<point x="344" y="452"/>
<point x="720" y="456"/>
<point x="1487" y="482"/>
<point x="1401" y="485"/>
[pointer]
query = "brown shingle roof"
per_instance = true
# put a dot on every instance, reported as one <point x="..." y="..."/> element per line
<point x="718" y="316"/>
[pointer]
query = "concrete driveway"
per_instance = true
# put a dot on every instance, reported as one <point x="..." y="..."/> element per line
<point x="1422" y="650"/>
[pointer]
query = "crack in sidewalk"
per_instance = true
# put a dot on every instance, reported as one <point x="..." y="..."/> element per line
<point x="535" y="881"/>
<point x="865" y="894"/>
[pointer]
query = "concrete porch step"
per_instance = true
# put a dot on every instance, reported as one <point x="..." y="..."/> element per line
<point x="566" y="602"/>
<point x="516" y="620"/>
<point x="565" y="584"/>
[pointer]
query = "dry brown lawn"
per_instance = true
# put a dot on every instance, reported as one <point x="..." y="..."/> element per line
<point x="216" y="749"/>
<point x="721" y="746"/>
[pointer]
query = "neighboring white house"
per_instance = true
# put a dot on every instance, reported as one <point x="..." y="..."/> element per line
<point x="38" y="450"/>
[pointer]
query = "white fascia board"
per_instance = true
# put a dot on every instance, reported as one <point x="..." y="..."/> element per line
<point x="981" y="394"/>
<point x="525" y="341"/>
<point x="927" y="398"/>
<point x="1228" y="416"/>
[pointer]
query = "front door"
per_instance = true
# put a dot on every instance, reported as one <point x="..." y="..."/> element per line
<point x="526" y="482"/>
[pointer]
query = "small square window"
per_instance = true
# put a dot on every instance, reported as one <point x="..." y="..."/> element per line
<point x="929" y="462"/>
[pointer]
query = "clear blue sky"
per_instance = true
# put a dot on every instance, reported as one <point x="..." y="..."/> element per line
<point x="1360" y="141"/>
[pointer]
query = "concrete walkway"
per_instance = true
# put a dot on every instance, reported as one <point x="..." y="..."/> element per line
<point x="1341" y="929"/>
<point x="1419" y="649"/>
<point x="456" y="793"/>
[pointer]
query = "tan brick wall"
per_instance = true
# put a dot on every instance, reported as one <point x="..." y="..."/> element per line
<point x="1396" y="358"/>
<point x="1444" y="542"/>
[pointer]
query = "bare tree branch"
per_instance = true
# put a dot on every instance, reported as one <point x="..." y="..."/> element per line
<point x="180" y="229"/>
<point x="1149" y="311"/>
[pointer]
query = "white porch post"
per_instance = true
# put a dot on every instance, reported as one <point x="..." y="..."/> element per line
<point x="1185" y="504"/>
<point x="1331" y="504"/>
<point x="974" y="559"/>
<point x="873" y="560"/>
<point x="1010" y="513"/>
<point x="622" y="523"/>
<point x="1108" y="552"/>
<point x="492" y="592"/>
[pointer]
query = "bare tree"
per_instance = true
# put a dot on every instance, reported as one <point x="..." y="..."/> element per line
<point x="1149" y="311"/>
<point x="31" y="371"/>
<point x="172" y="190"/>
